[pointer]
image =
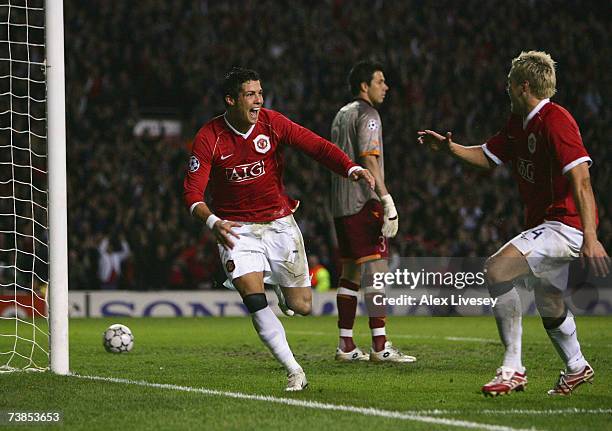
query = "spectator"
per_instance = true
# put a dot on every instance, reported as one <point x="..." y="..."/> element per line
<point x="140" y="68"/>
<point x="113" y="253"/>
<point x="319" y="275"/>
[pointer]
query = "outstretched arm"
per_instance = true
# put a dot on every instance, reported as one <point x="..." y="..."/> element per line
<point x="592" y="251"/>
<point x="323" y="151"/>
<point x="474" y="155"/>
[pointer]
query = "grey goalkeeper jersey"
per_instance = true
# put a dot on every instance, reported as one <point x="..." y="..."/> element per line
<point x="357" y="130"/>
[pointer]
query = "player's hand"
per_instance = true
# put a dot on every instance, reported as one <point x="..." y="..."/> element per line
<point x="594" y="254"/>
<point x="391" y="222"/>
<point x="434" y="140"/>
<point x="223" y="232"/>
<point x="364" y="174"/>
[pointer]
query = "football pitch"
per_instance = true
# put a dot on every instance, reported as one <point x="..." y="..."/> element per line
<point x="215" y="374"/>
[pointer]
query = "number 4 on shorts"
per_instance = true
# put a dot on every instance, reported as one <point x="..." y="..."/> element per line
<point x="537" y="232"/>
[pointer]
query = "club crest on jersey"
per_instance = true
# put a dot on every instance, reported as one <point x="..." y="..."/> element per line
<point x="372" y="125"/>
<point x="194" y="164"/>
<point x="230" y="266"/>
<point x="531" y="143"/>
<point x="262" y="144"/>
<point x="240" y="173"/>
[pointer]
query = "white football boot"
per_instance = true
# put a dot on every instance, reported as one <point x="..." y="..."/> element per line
<point x="354" y="355"/>
<point x="390" y="354"/>
<point x="296" y="381"/>
<point x="282" y="303"/>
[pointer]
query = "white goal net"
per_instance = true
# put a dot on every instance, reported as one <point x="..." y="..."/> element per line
<point x="24" y="249"/>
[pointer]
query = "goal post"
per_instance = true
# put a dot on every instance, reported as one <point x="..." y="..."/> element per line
<point x="58" y="202"/>
<point x="33" y="188"/>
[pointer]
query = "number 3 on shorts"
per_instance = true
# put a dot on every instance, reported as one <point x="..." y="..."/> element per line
<point x="383" y="244"/>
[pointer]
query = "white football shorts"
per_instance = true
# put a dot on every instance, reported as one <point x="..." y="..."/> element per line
<point x="275" y="248"/>
<point x="549" y="248"/>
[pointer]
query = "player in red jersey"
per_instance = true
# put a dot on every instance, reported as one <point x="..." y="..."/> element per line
<point x="542" y="145"/>
<point x="239" y="156"/>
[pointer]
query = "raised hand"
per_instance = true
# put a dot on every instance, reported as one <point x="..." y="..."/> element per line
<point x="434" y="140"/>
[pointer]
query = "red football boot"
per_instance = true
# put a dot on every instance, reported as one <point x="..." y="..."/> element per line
<point x="568" y="382"/>
<point x="506" y="380"/>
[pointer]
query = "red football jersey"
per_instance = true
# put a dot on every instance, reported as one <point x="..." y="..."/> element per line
<point x="246" y="170"/>
<point x="540" y="151"/>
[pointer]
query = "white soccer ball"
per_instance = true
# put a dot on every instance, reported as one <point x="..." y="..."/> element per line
<point x="118" y="339"/>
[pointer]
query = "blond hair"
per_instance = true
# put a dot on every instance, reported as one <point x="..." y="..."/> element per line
<point x="538" y="68"/>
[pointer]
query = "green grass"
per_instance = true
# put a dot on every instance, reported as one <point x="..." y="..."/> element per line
<point x="226" y="354"/>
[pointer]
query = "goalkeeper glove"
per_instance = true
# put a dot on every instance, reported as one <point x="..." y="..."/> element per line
<point x="390" y="224"/>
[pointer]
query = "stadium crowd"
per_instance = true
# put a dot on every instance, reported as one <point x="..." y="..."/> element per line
<point x="445" y="63"/>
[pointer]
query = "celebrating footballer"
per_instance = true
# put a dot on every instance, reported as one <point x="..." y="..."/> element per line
<point x="542" y="146"/>
<point x="239" y="157"/>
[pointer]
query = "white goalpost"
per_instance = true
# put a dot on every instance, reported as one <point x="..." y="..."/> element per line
<point x="33" y="202"/>
<point x="58" y="202"/>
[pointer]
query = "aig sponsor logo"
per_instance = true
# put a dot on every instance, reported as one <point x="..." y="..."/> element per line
<point x="526" y="169"/>
<point x="246" y="172"/>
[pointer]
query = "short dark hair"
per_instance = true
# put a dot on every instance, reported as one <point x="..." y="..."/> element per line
<point x="363" y="72"/>
<point x="235" y="78"/>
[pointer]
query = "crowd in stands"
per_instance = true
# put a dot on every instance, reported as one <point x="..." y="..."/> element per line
<point x="446" y="64"/>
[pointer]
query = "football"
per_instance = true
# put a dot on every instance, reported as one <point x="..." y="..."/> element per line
<point x="118" y="339"/>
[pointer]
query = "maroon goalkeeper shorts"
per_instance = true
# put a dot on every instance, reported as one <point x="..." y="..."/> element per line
<point x="359" y="235"/>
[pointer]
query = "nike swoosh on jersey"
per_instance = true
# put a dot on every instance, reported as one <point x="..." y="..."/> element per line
<point x="226" y="157"/>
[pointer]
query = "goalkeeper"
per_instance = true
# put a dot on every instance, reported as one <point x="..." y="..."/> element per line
<point x="364" y="218"/>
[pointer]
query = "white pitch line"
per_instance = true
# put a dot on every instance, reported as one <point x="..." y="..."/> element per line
<point x="389" y="414"/>
<point x="334" y="334"/>
<point x="433" y="337"/>
<point x="428" y="337"/>
<point x="569" y="411"/>
<point x="475" y="339"/>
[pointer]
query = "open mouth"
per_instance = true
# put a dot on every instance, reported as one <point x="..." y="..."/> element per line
<point x="253" y="113"/>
